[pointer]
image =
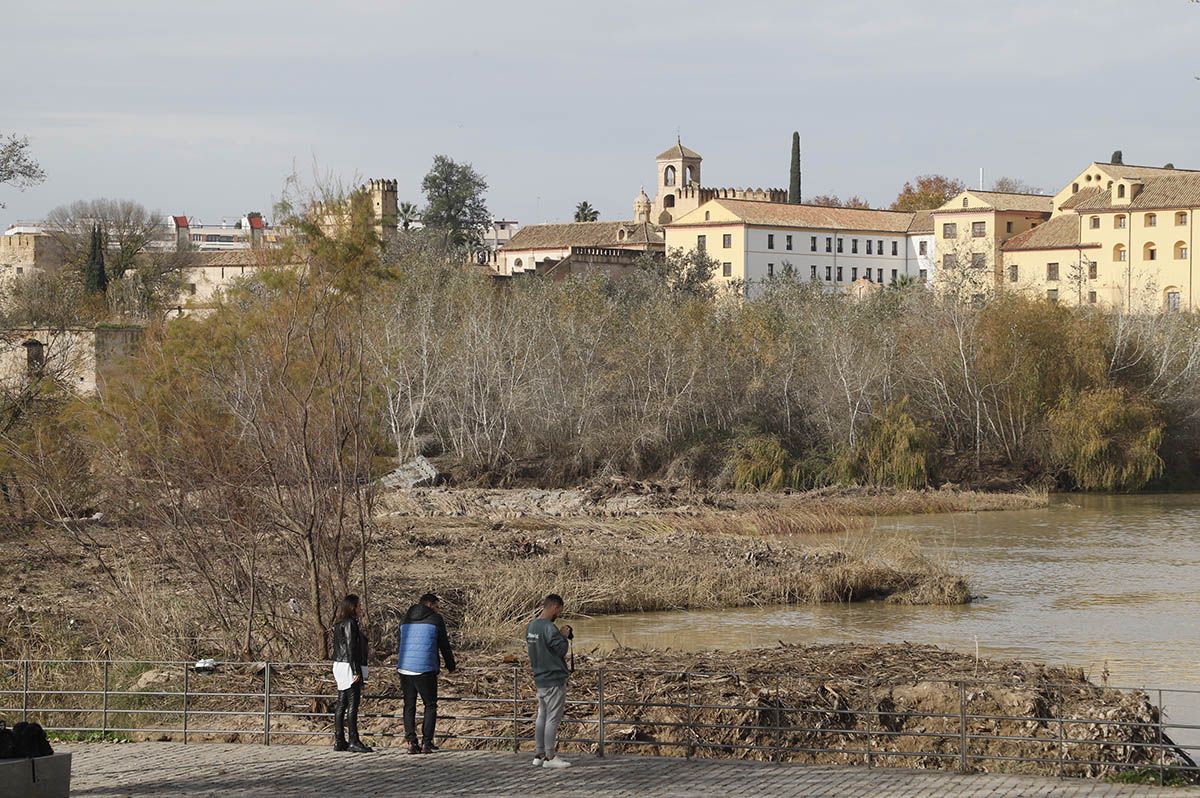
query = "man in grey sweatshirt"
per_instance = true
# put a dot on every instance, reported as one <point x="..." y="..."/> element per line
<point x="548" y="658"/>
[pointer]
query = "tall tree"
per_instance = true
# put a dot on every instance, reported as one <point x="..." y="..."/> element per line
<point x="17" y="166"/>
<point x="455" y="207"/>
<point x="794" y="195"/>
<point x="584" y="212"/>
<point x="408" y="213"/>
<point x="929" y="192"/>
<point x="1012" y="185"/>
<point x="95" y="280"/>
<point x="127" y="226"/>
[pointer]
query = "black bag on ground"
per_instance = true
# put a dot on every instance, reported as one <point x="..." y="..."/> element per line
<point x="8" y="745"/>
<point x="30" y="740"/>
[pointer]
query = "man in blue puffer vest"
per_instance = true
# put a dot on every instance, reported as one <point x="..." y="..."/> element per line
<point x="422" y="635"/>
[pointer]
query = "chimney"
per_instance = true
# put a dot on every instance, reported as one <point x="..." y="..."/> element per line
<point x="254" y="221"/>
<point x="183" y="235"/>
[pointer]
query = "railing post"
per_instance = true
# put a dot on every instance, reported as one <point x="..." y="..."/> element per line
<point x="600" y="710"/>
<point x="104" y="711"/>
<point x="186" y="674"/>
<point x="267" y="703"/>
<point x="691" y="717"/>
<point x="1162" y="752"/>
<point x="516" y="713"/>
<point x="1062" y="747"/>
<point x="25" y="692"/>
<point x="870" y="720"/>
<point x="962" y="726"/>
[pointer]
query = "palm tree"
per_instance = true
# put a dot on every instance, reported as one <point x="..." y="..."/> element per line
<point x="409" y="213"/>
<point x="584" y="212"/>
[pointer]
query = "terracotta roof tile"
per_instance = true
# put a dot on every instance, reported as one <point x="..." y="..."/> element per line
<point x="1079" y="196"/>
<point x="1061" y="232"/>
<point x="922" y="222"/>
<point x="677" y="151"/>
<point x="1169" y="190"/>
<point x="780" y="214"/>
<point x="584" y="234"/>
<point x="1002" y="201"/>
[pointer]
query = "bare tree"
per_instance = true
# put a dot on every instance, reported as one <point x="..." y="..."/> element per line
<point x="17" y="166"/>
<point x="128" y="229"/>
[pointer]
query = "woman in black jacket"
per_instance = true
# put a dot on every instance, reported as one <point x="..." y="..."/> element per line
<point x="349" y="671"/>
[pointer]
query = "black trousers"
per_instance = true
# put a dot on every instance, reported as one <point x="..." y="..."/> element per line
<point x="426" y="685"/>
<point x="345" y="717"/>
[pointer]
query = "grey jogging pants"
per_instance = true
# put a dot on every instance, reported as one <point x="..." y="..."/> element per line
<point x="551" y="701"/>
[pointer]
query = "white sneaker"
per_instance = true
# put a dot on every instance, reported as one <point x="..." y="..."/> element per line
<point x="556" y="762"/>
<point x="537" y="761"/>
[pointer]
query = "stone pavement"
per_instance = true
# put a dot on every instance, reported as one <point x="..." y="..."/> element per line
<point x="116" y="769"/>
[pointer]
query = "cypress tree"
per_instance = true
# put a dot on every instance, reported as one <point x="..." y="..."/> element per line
<point x="94" y="278"/>
<point x="794" y="184"/>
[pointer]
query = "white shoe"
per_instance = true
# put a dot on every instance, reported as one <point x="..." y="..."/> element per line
<point x="556" y="762"/>
<point x="537" y="761"/>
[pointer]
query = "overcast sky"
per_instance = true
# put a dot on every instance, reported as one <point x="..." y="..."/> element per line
<point x="204" y="108"/>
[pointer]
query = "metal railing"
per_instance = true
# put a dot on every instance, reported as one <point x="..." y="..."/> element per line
<point x="948" y="723"/>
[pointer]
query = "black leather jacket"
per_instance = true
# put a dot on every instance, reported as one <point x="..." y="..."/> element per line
<point x="349" y="644"/>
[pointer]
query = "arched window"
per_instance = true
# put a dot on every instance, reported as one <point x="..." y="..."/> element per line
<point x="965" y="202"/>
<point x="689" y="176"/>
<point x="1119" y="221"/>
<point x="1119" y="253"/>
<point x="1149" y="252"/>
<point x="669" y="176"/>
<point x="707" y="216"/>
<point x="1181" y="250"/>
<point x="1151" y="220"/>
<point x="1171" y="298"/>
<point x="669" y="201"/>
<point x="517" y="263"/>
<point x="1121" y="191"/>
<point x="620" y="235"/>
<point x="1181" y="218"/>
<point x="1075" y="187"/>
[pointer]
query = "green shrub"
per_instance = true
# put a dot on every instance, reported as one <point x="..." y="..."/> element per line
<point x="761" y="463"/>
<point x="1106" y="439"/>
<point x="895" y="451"/>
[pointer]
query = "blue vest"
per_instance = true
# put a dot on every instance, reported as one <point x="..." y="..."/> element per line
<point x="418" y="650"/>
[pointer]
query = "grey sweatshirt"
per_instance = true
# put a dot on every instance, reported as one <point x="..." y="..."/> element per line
<point x="547" y="653"/>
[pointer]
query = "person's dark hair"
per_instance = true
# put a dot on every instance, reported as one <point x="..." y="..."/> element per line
<point x="553" y="600"/>
<point x="429" y="598"/>
<point x="347" y="609"/>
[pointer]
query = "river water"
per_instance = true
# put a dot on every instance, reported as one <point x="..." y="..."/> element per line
<point x="1107" y="583"/>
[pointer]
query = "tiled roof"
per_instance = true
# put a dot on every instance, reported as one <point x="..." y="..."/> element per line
<point x="677" y="151"/>
<point x="1121" y="170"/>
<point x="1079" y="196"/>
<point x="1168" y="190"/>
<point x="781" y="214"/>
<point x="1002" y="201"/>
<point x="922" y="222"/>
<point x="583" y="234"/>
<point x="228" y="257"/>
<point x="1061" y="232"/>
<point x="180" y="221"/>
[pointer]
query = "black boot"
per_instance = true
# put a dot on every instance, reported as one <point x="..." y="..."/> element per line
<point x="339" y="723"/>
<point x="356" y="745"/>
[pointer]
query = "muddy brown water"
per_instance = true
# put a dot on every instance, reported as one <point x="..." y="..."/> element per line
<point x="1107" y="583"/>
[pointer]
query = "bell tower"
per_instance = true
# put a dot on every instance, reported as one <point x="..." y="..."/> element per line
<point x="678" y="183"/>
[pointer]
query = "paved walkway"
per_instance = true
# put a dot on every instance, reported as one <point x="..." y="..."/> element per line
<point x="114" y="769"/>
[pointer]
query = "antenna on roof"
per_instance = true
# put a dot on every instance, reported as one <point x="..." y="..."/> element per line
<point x="981" y="178"/>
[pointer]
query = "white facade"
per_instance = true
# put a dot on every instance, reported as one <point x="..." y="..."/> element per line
<point x="837" y="258"/>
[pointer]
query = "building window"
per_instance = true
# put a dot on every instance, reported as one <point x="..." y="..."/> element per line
<point x="701" y="243"/>
<point x="1091" y="297"/>
<point x="1119" y="253"/>
<point x="1052" y="272"/>
<point x="1149" y="252"/>
<point x="669" y="201"/>
<point x="839" y="272"/>
<point x="868" y="276"/>
<point x="978" y="229"/>
<point x="894" y="247"/>
<point x="828" y="244"/>
<point x="707" y="215"/>
<point x="1172" y="300"/>
<point x="1013" y="273"/>
<point x="770" y="241"/>
<point x="1052" y="294"/>
<point x="828" y="273"/>
<point x="949" y="230"/>
<point x="854" y="246"/>
<point x="870" y="248"/>
<point x="1181" y="218"/>
<point x="978" y="260"/>
<point x="854" y="273"/>
<point x="35" y="355"/>
<point x="1151" y="220"/>
<point x="727" y="240"/>
<point x="840" y="242"/>
<point x="964" y="202"/>
<point x="923" y="275"/>
<point x="1092" y="270"/>
<point x="813" y="272"/>
<point x="517" y="263"/>
<point x="949" y="262"/>
<point x="878" y="275"/>
<point x="669" y="176"/>
<point x="1181" y="250"/>
<point x="894" y="272"/>
<point x="812" y="243"/>
<point x="923" y="248"/>
<point x="1119" y="222"/>
<point x="788" y="243"/>
<point x="192" y="289"/>
<point x="1094" y="222"/>
<point x="1008" y="227"/>
<point x="770" y="269"/>
<point x="726" y="269"/>
<point x="1121" y="191"/>
<point x="879" y="247"/>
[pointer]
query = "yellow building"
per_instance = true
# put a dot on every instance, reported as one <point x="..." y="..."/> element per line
<point x="1122" y="236"/>
<point x="971" y="229"/>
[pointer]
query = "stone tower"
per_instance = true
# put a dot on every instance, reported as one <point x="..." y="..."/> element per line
<point x="642" y="207"/>
<point x="384" y="206"/>
<point x="678" y="183"/>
